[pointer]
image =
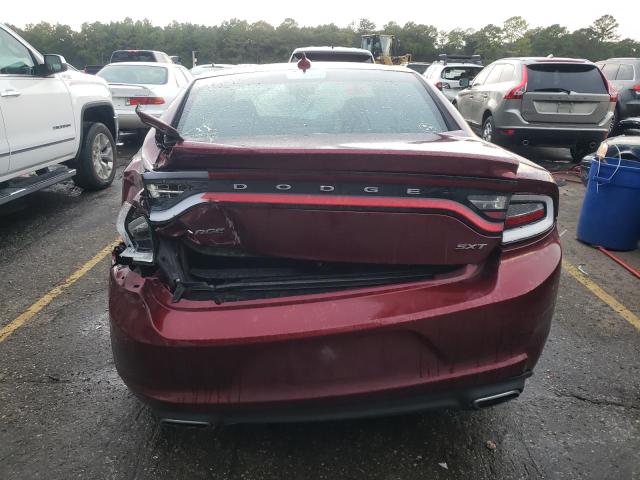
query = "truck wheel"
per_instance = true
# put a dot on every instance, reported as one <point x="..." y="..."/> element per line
<point x="96" y="164"/>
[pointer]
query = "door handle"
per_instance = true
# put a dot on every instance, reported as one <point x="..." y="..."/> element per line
<point x="485" y="96"/>
<point x="10" y="93"/>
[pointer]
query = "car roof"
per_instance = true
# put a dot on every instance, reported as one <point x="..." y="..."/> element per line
<point x="292" y="66"/>
<point x="621" y="59"/>
<point x="137" y="50"/>
<point x="531" y="60"/>
<point x="332" y="49"/>
<point x="148" y="64"/>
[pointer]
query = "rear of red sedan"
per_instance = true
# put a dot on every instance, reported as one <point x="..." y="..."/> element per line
<point x="326" y="243"/>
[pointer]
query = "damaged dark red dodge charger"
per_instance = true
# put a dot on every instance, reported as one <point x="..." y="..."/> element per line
<point x="323" y="241"/>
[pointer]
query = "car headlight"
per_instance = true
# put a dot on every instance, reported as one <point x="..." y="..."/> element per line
<point x="135" y="230"/>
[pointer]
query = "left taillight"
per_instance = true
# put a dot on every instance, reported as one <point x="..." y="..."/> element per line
<point x="133" y="101"/>
<point x="135" y="230"/>
<point x="527" y="216"/>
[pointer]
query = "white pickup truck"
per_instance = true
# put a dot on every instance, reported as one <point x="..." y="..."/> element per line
<point x="55" y="123"/>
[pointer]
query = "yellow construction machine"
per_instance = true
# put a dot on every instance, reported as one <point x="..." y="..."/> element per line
<point x="384" y="49"/>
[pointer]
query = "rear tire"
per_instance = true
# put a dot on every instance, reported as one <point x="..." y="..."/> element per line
<point x="578" y="152"/>
<point x="614" y="129"/>
<point x="96" y="164"/>
<point x="489" y="130"/>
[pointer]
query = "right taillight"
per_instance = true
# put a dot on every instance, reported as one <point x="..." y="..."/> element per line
<point x="636" y="88"/>
<point x="439" y="85"/>
<point x="517" y="92"/>
<point x="527" y="216"/>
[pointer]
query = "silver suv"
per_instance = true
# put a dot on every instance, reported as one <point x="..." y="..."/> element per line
<point x="624" y="75"/>
<point x="447" y="72"/>
<point x="560" y="102"/>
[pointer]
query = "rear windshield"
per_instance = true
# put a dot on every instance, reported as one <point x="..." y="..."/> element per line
<point x="456" y="73"/>
<point x="138" y="74"/>
<point x="316" y="102"/>
<point x="334" y="57"/>
<point x="132" y="56"/>
<point x="561" y="77"/>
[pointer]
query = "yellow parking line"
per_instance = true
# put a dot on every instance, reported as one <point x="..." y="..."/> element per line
<point x="615" y="305"/>
<point x="55" y="292"/>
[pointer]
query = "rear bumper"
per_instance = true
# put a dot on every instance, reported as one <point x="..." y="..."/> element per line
<point x="129" y="120"/>
<point x="383" y="350"/>
<point x="551" y="137"/>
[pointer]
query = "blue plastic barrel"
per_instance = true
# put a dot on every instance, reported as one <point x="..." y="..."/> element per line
<point x="610" y="215"/>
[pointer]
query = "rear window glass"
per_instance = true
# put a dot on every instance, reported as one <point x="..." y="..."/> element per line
<point x="137" y="74"/>
<point x="313" y="103"/>
<point x="334" y="57"/>
<point x="610" y="70"/>
<point x="565" y="77"/>
<point x="133" y="56"/>
<point x="625" y="72"/>
<point x="456" y="73"/>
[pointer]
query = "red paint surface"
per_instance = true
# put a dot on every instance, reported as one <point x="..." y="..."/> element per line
<point x="482" y="324"/>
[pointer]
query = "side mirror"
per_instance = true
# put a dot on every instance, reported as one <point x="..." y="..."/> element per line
<point x="464" y="82"/>
<point x="53" y="64"/>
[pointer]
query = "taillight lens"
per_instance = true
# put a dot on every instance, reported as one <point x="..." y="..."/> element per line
<point x="636" y="88"/>
<point x="144" y="101"/>
<point x="613" y="93"/>
<point x="527" y="216"/>
<point x="439" y="85"/>
<point x="517" y="92"/>
<point x="135" y="230"/>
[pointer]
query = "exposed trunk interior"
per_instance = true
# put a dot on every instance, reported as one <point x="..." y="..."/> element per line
<point x="224" y="275"/>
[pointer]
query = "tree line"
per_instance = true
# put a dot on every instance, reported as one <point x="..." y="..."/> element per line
<point x="238" y="41"/>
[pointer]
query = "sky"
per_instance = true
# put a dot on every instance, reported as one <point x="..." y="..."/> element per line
<point x="445" y="15"/>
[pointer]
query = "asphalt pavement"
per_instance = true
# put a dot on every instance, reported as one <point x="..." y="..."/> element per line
<point x="64" y="412"/>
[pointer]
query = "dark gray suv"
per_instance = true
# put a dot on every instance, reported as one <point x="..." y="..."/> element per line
<point x="561" y="102"/>
<point x="624" y="75"/>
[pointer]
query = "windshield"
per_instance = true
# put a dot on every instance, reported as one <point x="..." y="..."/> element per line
<point x="317" y="102"/>
<point x="561" y="77"/>
<point x="136" y="74"/>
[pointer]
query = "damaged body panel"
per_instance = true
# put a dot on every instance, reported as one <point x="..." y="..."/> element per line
<point x="295" y="248"/>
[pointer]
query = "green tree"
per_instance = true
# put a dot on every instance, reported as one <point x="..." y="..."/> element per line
<point x="605" y="28"/>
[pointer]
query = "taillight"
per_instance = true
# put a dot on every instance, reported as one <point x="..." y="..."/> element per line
<point x="527" y="217"/>
<point x="145" y="101"/>
<point x="136" y="232"/>
<point x="517" y="92"/>
<point x="636" y="88"/>
<point x="613" y="93"/>
<point x="439" y="85"/>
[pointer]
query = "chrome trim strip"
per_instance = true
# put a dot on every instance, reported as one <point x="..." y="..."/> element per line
<point x="177" y="209"/>
<point x="152" y="176"/>
<point x="28" y="149"/>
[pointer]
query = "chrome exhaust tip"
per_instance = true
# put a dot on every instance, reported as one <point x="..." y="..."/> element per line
<point x="484" y="402"/>
<point x="185" y="423"/>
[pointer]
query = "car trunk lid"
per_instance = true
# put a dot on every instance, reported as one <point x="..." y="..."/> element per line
<point x="122" y="93"/>
<point x="409" y="203"/>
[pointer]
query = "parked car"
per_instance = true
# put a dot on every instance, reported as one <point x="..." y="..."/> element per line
<point x="446" y="73"/>
<point x="55" y="123"/>
<point x="561" y="102"/>
<point x="624" y="75"/>
<point x="134" y="56"/>
<point x="333" y="54"/>
<point x="150" y="85"/>
<point x="419" y="67"/>
<point x="327" y="240"/>
<point x="209" y="67"/>
<point x="140" y="56"/>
